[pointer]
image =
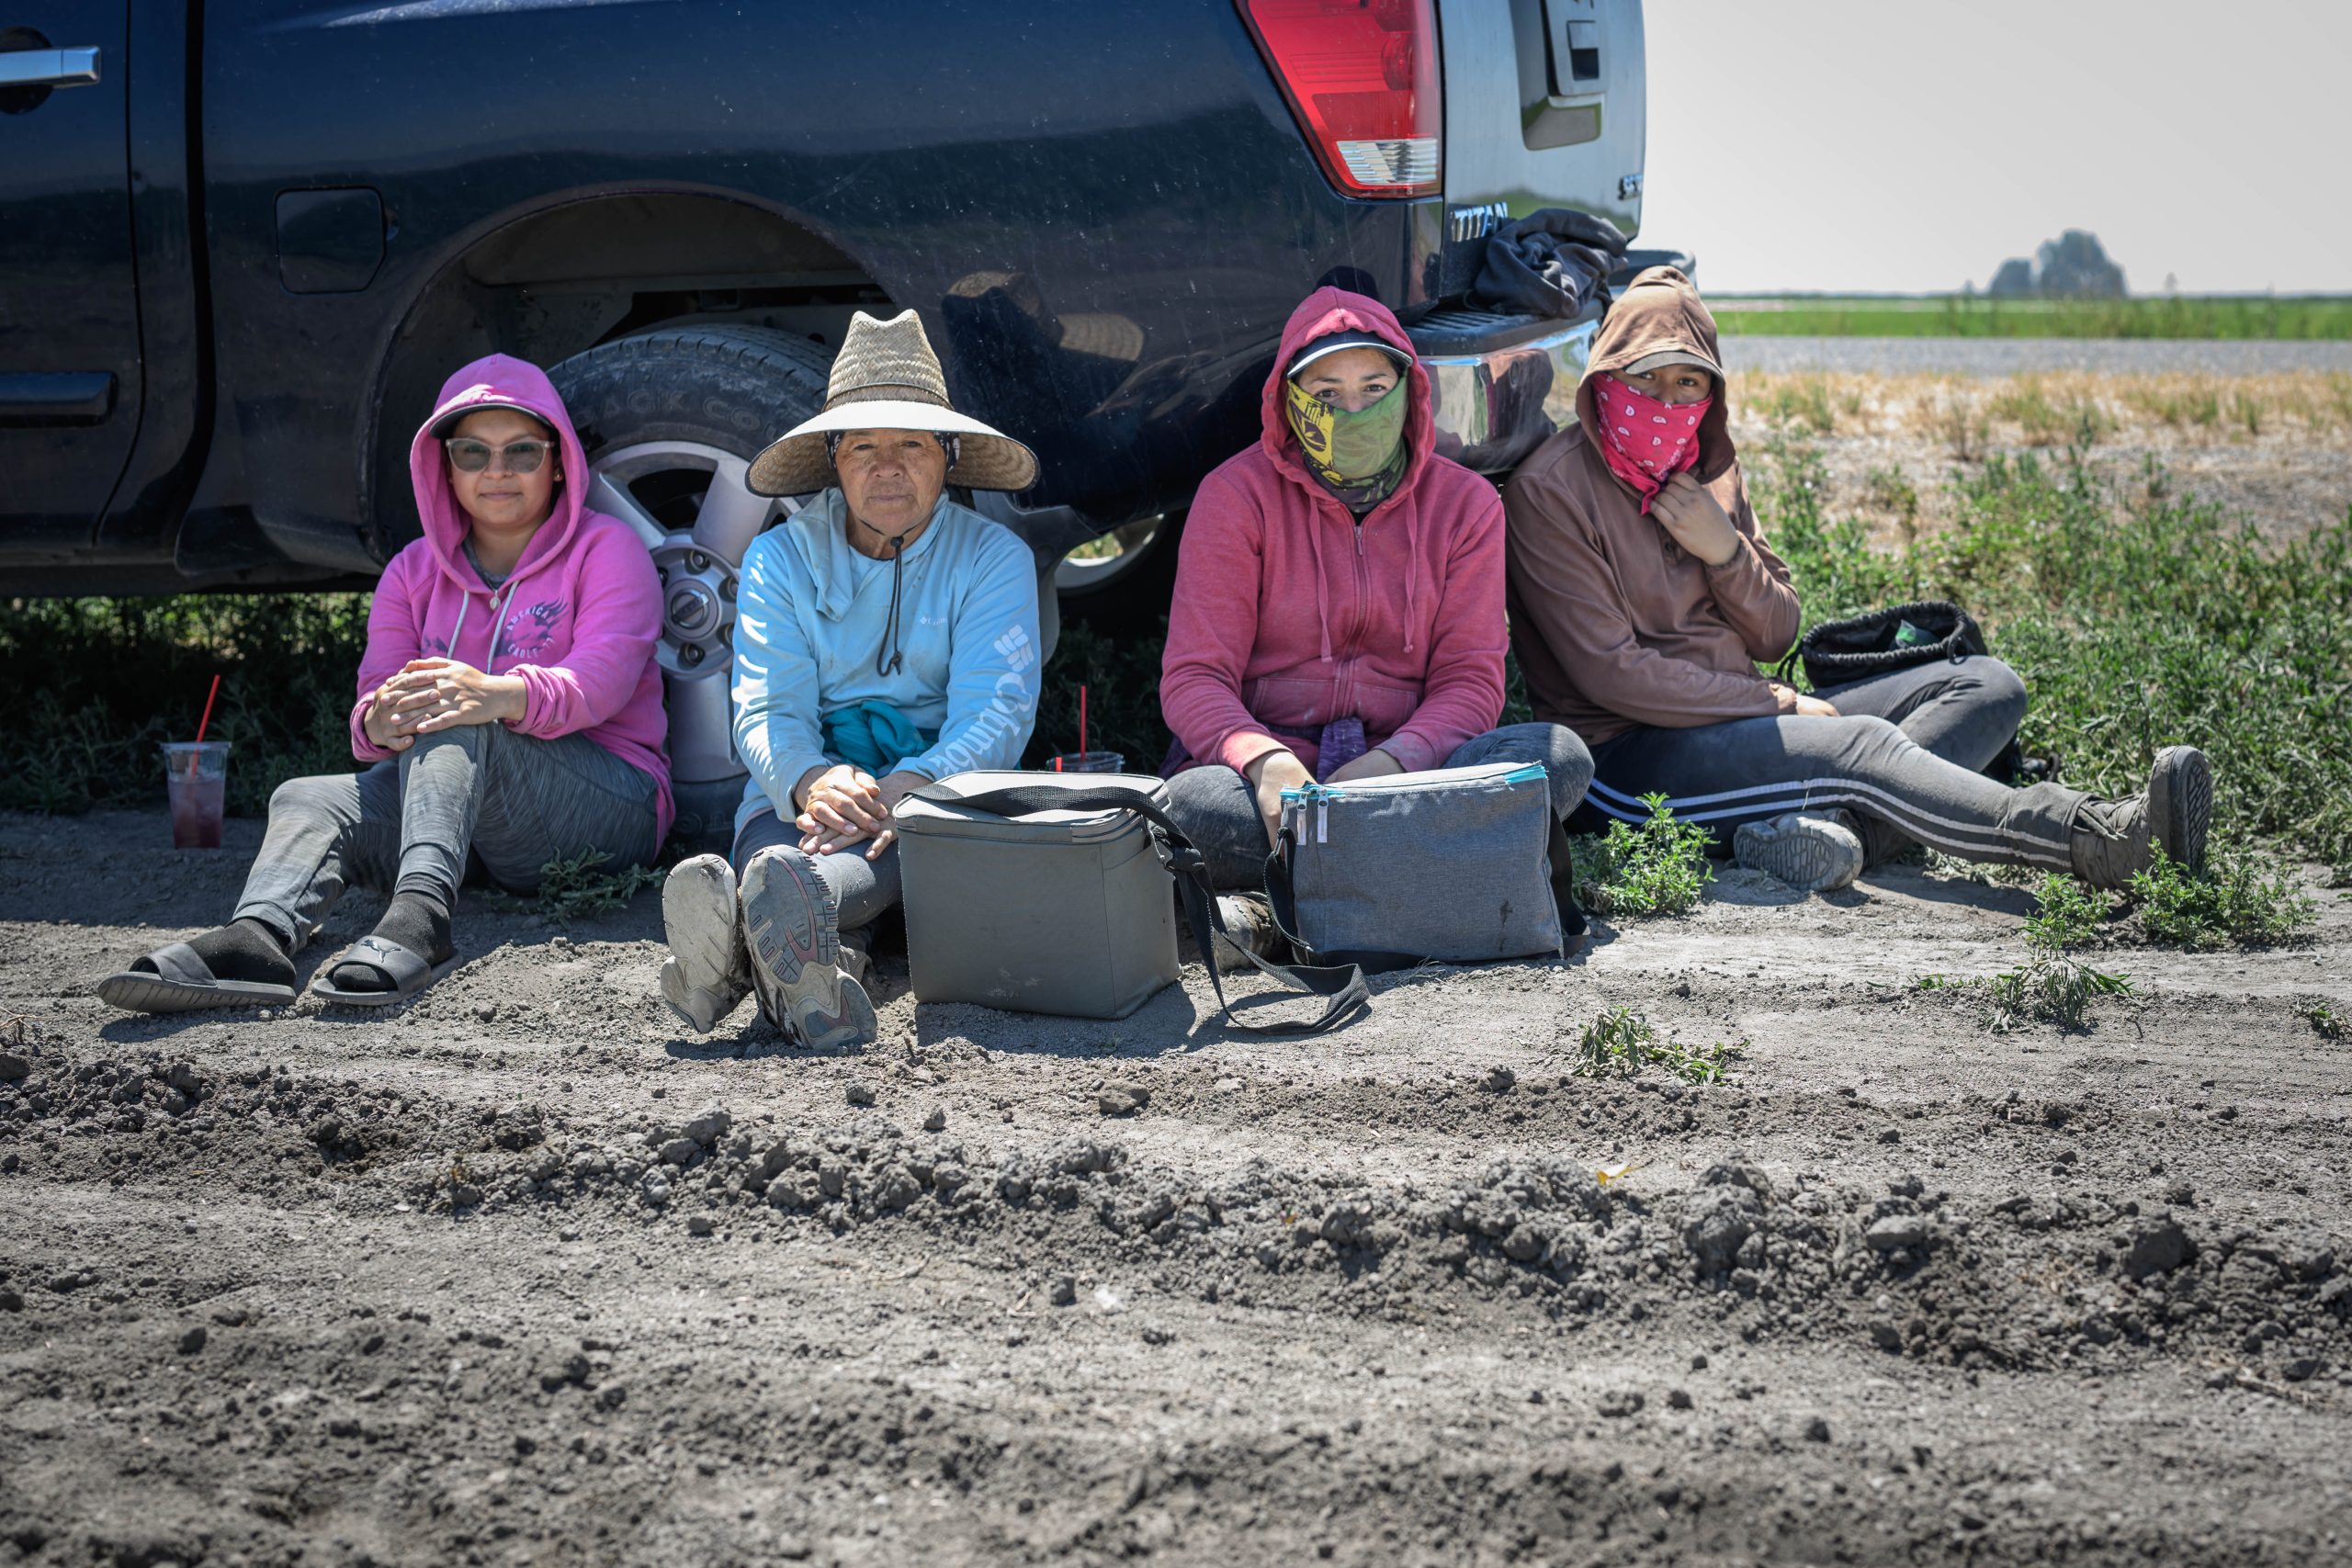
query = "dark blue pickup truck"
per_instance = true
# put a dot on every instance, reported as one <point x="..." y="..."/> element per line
<point x="242" y="241"/>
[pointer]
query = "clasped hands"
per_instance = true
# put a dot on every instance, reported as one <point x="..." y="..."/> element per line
<point x="843" y="805"/>
<point x="1278" y="771"/>
<point x="430" y="694"/>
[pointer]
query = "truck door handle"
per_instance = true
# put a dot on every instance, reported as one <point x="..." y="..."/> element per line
<point x="48" y="68"/>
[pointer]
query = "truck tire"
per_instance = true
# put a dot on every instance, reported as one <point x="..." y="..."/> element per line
<point x="671" y="420"/>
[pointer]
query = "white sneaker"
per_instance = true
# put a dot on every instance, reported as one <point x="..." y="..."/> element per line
<point x="708" y="971"/>
<point x="791" y="926"/>
<point x="1812" y="852"/>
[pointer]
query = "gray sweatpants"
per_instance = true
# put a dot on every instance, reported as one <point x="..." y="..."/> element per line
<point x="512" y="802"/>
<point x="862" y="888"/>
<point x="1216" y="809"/>
<point x="1904" y="755"/>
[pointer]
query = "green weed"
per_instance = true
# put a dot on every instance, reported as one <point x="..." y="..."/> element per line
<point x="2069" y="916"/>
<point x="2050" y="988"/>
<point x="2174" y="402"/>
<point x="571" y="889"/>
<point x="1657" y="868"/>
<point x="1621" y="1043"/>
<point x="1937" y="863"/>
<point x="2043" y="421"/>
<point x="2326" y="1020"/>
<point x="1837" y="572"/>
<point x="1802" y="401"/>
<point x="1891" y="490"/>
<point x="1962" y="428"/>
<point x="2245" y="898"/>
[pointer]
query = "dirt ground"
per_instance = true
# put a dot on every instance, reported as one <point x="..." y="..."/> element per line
<point x="524" y="1274"/>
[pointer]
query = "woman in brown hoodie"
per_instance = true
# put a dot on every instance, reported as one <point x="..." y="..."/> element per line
<point x="1642" y="597"/>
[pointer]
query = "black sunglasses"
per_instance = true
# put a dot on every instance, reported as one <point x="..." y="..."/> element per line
<point x="471" y="457"/>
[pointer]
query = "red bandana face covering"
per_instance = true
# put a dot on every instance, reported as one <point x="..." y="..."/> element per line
<point x="1645" y="440"/>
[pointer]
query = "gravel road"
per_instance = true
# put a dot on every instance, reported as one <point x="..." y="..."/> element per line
<point x="2013" y="356"/>
<point x="523" y="1275"/>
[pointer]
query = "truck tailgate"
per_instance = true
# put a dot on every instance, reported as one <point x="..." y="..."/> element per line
<point x="1544" y="108"/>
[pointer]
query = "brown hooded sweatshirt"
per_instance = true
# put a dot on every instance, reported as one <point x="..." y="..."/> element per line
<point x="1614" y="624"/>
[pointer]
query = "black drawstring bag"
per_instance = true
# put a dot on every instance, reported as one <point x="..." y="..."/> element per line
<point x="1899" y="637"/>
<point x="1882" y="640"/>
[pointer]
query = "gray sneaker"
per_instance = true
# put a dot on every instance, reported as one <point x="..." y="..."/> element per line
<point x="791" y="925"/>
<point x="2112" y="838"/>
<point x="708" y="971"/>
<point x="1814" y="851"/>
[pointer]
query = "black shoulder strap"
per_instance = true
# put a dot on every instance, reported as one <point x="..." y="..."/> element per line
<point x="1341" y="985"/>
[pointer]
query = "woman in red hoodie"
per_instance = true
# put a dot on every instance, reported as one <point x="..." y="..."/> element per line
<point x="1339" y="604"/>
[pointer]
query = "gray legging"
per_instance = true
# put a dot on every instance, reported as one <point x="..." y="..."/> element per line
<point x="862" y="888"/>
<point x="1216" y="809"/>
<point x="1905" y="756"/>
<point x="512" y="802"/>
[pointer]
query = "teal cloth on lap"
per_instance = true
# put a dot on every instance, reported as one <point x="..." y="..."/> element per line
<point x="874" y="736"/>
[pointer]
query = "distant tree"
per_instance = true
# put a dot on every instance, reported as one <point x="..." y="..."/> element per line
<point x="2013" y="279"/>
<point x="2074" y="267"/>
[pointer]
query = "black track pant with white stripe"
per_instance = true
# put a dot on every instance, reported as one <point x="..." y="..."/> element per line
<point x="1902" y="756"/>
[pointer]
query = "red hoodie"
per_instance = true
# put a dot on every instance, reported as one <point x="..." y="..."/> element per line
<point x="1289" y="612"/>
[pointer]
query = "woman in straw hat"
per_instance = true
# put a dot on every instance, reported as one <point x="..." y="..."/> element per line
<point x="885" y="637"/>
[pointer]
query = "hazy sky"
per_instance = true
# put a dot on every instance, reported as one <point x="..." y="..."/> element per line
<point x="1912" y="144"/>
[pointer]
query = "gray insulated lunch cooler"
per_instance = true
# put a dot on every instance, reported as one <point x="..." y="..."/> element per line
<point x="1064" y="912"/>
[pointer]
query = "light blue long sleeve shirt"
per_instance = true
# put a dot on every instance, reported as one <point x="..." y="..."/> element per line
<point x="811" y="616"/>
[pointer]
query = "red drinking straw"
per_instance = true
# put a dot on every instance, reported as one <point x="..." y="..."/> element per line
<point x="208" y="710"/>
<point x="1081" y="721"/>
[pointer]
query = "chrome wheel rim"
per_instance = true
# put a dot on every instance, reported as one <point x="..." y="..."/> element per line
<point x="1088" y="574"/>
<point x="689" y="503"/>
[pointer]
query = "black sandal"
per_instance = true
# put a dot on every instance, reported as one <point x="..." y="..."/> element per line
<point x="177" y="980"/>
<point x="405" y="973"/>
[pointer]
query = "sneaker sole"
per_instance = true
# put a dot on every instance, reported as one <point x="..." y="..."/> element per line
<point x="701" y="979"/>
<point x="1806" y="859"/>
<point x="2180" y="805"/>
<point x="791" y="924"/>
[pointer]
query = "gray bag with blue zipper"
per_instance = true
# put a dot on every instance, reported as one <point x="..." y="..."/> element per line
<point x="1452" y="865"/>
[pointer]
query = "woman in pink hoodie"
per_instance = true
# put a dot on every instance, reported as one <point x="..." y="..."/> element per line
<point x="508" y="700"/>
<point x="1339" y="604"/>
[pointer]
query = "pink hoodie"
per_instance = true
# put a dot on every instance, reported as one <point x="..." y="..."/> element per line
<point x="1289" y="612"/>
<point x="578" y="620"/>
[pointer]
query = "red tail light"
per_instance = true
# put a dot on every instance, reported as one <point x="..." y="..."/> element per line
<point x="1362" y="78"/>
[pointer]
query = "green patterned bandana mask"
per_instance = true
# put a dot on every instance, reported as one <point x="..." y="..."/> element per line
<point x="1357" y="456"/>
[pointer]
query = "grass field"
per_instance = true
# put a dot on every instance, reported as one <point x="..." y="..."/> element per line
<point x="2327" y="317"/>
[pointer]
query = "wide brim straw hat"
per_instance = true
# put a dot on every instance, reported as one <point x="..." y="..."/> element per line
<point x="886" y="377"/>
